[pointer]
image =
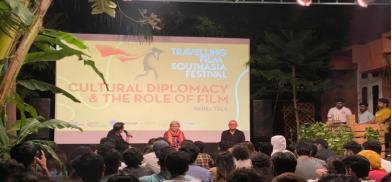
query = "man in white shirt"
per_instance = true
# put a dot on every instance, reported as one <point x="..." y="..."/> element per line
<point x="339" y="113"/>
<point x="364" y="116"/>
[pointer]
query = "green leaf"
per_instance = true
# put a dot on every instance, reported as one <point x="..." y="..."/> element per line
<point x="69" y="38"/>
<point x="43" y="86"/>
<point x="99" y="73"/>
<point x="51" y="55"/>
<point x="4" y="139"/>
<point x="21" y="11"/>
<point x="33" y="125"/>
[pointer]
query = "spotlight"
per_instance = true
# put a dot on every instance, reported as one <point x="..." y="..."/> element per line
<point x="363" y="3"/>
<point x="304" y="2"/>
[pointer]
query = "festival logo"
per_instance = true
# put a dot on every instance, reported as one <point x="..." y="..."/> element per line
<point x="150" y="56"/>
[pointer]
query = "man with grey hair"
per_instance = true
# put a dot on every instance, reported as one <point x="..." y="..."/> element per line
<point x="233" y="135"/>
<point x="150" y="160"/>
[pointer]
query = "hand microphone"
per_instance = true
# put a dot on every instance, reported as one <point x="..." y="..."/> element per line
<point x="128" y="135"/>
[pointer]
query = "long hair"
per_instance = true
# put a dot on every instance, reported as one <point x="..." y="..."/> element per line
<point x="225" y="165"/>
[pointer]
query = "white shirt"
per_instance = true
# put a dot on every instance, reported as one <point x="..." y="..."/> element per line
<point x="339" y="115"/>
<point x="150" y="161"/>
<point x="386" y="165"/>
<point x="365" y="117"/>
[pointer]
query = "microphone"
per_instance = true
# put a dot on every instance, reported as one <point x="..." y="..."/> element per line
<point x="128" y="135"/>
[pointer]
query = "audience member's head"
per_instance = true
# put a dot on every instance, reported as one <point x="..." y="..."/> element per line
<point x="321" y="144"/>
<point x="386" y="178"/>
<point x="80" y="151"/>
<point x="200" y="145"/>
<point x="107" y="140"/>
<point x="373" y="145"/>
<point x="158" y="145"/>
<point x="148" y="148"/>
<point x="373" y="157"/>
<point x="278" y="143"/>
<point x="24" y="153"/>
<point x="240" y="152"/>
<point x="105" y="147"/>
<point x="177" y="163"/>
<point x="265" y="147"/>
<point x="291" y="147"/>
<point x="351" y="148"/>
<point x="245" y="175"/>
<point x="132" y="157"/>
<point x="303" y="148"/>
<point x="335" y="165"/>
<point x="89" y="167"/>
<point x="250" y="146"/>
<point x="223" y="146"/>
<point x="163" y="153"/>
<point x="112" y="159"/>
<point x="337" y="178"/>
<point x="261" y="160"/>
<point x="262" y="163"/>
<point x="25" y="177"/>
<point x="151" y="141"/>
<point x="283" y="162"/>
<point x="192" y="151"/>
<point x="288" y="177"/>
<point x="8" y="168"/>
<point x="224" y="165"/>
<point x="357" y="166"/>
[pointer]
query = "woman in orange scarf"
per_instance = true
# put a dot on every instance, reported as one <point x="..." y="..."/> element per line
<point x="174" y="135"/>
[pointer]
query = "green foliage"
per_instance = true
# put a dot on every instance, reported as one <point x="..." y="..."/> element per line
<point x="14" y="15"/>
<point x="206" y="27"/>
<point x="103" y="6"/>
<point x="29" y="123"/>
<point x="54" y="45"/>
<point x="336" y="137"/>
<point x="43" y="86"/>
<point x="371" y="134"/>
<point x="279" y="51"/>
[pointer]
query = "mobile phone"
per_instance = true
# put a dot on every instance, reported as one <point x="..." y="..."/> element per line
<point x="38" y="153"/>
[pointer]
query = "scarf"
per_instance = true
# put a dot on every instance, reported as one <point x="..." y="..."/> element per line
<point x="175" y="138"/>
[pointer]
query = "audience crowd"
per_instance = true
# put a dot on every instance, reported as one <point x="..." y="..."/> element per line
<point x="310" y="161"/>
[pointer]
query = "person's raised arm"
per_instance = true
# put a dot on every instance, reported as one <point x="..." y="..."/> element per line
<point x="41" y="161"/>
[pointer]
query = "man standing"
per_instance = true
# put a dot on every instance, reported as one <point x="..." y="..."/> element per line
<point x="364" y="116"/>
<point x="339" y="113"/>
<point x="232" y="136"/>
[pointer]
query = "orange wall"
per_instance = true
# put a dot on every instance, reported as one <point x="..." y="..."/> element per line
<point x="370" y="56"/>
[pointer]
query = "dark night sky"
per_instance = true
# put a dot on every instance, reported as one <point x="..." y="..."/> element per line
<point x="347" y="24"/>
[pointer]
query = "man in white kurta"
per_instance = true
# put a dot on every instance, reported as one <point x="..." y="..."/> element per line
<point x="339" y="113"/>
